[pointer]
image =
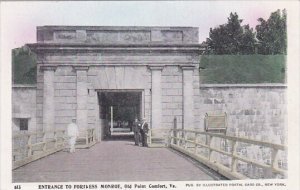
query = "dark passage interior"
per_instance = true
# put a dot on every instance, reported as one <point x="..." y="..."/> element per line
<point x="118" y="110"/>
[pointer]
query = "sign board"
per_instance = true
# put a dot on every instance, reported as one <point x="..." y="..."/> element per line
<point x="215" y="122"/>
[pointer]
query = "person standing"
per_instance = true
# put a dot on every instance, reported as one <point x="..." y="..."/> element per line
<point x="72" y="134"/>
<point x="144" y="132"/>
<point x="136" y="130"/>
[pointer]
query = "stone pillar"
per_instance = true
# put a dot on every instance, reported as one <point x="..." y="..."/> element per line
<point x="81" y="97"/>
<point x="48" y="98"/>
<point x="188" y="96"/>
<point x="156" y="111"/>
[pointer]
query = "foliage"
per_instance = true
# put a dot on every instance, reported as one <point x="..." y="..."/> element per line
<point x="272" y="33"/>
<point x="232" y="69"/>
<point x="23" y="66"/>
<point x="232" y="37"/>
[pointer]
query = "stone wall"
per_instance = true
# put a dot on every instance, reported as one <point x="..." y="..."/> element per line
<point x="24" y="106"/>
<point x="257" y="111"/>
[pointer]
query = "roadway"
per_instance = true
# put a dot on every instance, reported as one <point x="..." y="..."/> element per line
<point x="116" y="159"/>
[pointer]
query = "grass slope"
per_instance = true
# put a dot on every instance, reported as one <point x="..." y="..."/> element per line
<point x="232" y="69"/>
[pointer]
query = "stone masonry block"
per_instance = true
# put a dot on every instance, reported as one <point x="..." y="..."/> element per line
<point x="71" y="113"/>
<point x="91" y="113"/>
<point x="91" y="106"/>
<point x="177" y="112"/>
<point x="65" y="86"/>
<point x="219" y="101"/>
<point x="166" y="99"/>
<point x="177" y="85"/>
<point x="40" y="78"/>
<point x="177" y="99"/>
<point x="171" y="105"/>
<point x="39" y="93"/>
<point x="64" y="99"/>
<point x="81" y="91"/>
<point x="39" y="106"/>
<point x="65" y="79"/>
<point x="81" y="103"/>
<point x="172" y="92"/>
<point x="171" y="79"/>
<point x="166" y="85"/>
<point x="39" y="100"/>
<point x="167" y="125"/>
<point x="64" y="106"/>
<point x="81" y="78"/>
<point x="91" y="120"/>
<point x="65" y="71"/>
<point x="39" y="85"/>
<point x="207" y="101"/>
<point x="39" y="120"/>
<point x="39" y="114"/>
<point x="167" y="112"/>
<point x="167" y="119"/>
<point x="249" y="112"/>
<point x="70" y="93"/>
<point x="63" y="119"/>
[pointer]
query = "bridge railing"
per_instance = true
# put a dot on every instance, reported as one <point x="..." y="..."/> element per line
<point x="158" y="137"/>
<point x="202" y="145"/>
<point x="29" y="147"/>
<point x="88" y="140"/>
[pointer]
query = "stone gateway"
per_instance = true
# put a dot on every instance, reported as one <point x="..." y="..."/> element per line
<point x="88" y="72"/>
<point x="78" y="66"/>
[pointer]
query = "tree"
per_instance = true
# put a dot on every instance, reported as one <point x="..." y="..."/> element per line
<point x="232" y="37"/>
<point x="24" y="67"/>
<point x="272" y="33"/>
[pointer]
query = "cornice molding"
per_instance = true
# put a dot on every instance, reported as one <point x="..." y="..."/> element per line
<point x="48" y="67"/>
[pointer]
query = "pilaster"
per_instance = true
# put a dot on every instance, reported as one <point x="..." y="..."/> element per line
<point x="48" y="98"/>
<point x="156" y="103"/>
<point x="188" y="96"/>
<point x="81" y="97"/>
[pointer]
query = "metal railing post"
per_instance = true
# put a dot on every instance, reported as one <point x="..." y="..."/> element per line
<point x="87" y="137"/>
<point x="150" y="136"/>
<point x="175" y="130"/>
<point x="209" y="141"/>
<point x="196" y="145"/>
<point x="64" y="137"/>
<point x="274" y="162"/>
<point x="185" y="139"/>
<point x="171" y="141"/>
<point x="93" y="135"/>
<point x="29" y="153"/>
<point x="55" y="138"/>
<point x="44" y="141"/>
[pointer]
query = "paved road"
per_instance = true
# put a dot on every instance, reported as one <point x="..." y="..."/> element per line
<point x="114" y="160"/>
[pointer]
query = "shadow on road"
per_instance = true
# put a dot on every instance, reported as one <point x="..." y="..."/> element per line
<point x="128" y="138"/>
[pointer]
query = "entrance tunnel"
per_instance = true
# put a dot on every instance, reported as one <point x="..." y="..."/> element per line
<point x="118" y="110"/>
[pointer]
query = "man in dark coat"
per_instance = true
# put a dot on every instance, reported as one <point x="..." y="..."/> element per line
<point x="144" y="132"/>
<point x="136" y="130"/>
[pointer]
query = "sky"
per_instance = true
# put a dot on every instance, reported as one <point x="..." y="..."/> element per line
<point x="19" y="19"/>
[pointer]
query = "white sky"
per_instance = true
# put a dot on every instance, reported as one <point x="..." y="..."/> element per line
<point x="19" y="19"/>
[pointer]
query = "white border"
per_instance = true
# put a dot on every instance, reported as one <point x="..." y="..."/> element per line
<point x="293" y="117"/>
